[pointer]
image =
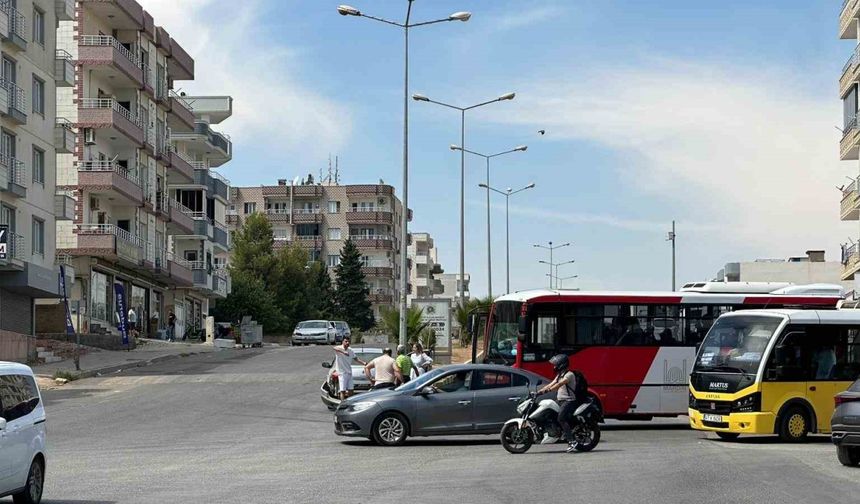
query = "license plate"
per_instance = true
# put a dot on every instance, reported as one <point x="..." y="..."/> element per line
<point x="712" y="418"/>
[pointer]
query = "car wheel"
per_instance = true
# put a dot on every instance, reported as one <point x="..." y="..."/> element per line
<point x="728" y="436"/>
<point x="794" y="425"/>
<point x="848" y="455"/>
<point x="32" y="493"/>
<point x="390" y="429"/>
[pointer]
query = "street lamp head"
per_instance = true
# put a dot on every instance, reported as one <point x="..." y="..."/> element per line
<point x="460" y="16"/>
<point x="420" y="97"/>
<point x="507" y="96"/>
<point x="530" y="186"/>
<point x="456" y="147"/>
<point x="348" y="10"/>
<point x="509" y="190"/>
<point x="483" y="186"/>
<point x="521" y="148"/>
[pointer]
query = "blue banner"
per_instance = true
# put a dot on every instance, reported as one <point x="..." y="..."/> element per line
<point x="121" y="312"/>
<point x="70" y="328"/>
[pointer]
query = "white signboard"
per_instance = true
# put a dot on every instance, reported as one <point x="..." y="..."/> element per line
<point x="437" y="314"/>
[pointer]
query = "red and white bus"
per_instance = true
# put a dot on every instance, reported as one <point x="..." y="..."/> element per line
<point x="636" y="349"/>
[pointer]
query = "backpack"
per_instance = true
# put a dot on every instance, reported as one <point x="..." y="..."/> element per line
<point x="580" y="390"/>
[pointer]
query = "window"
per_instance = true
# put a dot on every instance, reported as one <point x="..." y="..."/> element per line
<point x="18" y="396"/>
<point x="38" y="26"/>
<point x="493" y="380"/>
<point x="333" y="260"/>
<point x="849" y="107"/>
<point x="314" y="255"/>
<point x="521" y="381"/>
<point x="250" y="208"/>
<point x="364" y="206"/>
<point x="334" y="207"/>
<point x="454" y="382"/>
<point x="38" y="236"/>
<point x="280" y="208"/>
<point x="38" y="165"/>
<point x="544" y="329"/>
<point x="281" y="234"/>
<point x="38" y="95"/>
<point x="334" y="234"/>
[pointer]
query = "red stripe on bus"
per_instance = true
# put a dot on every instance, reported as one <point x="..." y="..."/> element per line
<point x="792" y="300"/>
<point x="586" y="298"/>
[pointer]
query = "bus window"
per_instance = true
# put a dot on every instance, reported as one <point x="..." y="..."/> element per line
<point x="788" y="361"/>
<point x="544" y="329"/>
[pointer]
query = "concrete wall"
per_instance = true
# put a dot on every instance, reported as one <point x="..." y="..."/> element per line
<point x="794" y="272"/>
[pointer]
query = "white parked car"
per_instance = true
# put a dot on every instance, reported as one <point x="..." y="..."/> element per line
<point x="22" y="435"/>
<point x="314" y="331"/>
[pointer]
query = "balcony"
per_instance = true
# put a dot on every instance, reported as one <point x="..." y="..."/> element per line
<point x="65" y="10"/>
<point x="180" y="270"/>
<point x="850" y="261"/>
<point x="221" y="237"/>
<point x="353" y="191"/>
<point x="369" y="217"/>
<point x="64" y="69"/>
<point x="111" y="179"/>
<point x="181" y="117"/>
<point x="13" y="102"/>
<point x="221" y="282"/>
<point x="162" y="205"/>
<point x="381" y="296"/>
<point x="181" y="220"/>
<point x="122" y="14"/>
<point x="202" y="276"/>
<point x="111" y="59"/>
<point x="180" y="65"/>
<point x="379" y="269"/>
<point x="848" y="146"/>
<point x="64" y="136"/>
<point x="13" y="176"/>
<point x="220" y="186"/>
<point x="13" y="26"/>
<point x="848" y="19"/>
<point x="313" y="242"/>
<point x="182" y="166"/>
<point x="375" y="242"/>
<point x="64" y="207"/>
<point x="16" y="253"/>
<point x="307" y="216"/>
<point x="233" y="219"/>
<point x="108" y="113"/>
<point x="107" y="241"/>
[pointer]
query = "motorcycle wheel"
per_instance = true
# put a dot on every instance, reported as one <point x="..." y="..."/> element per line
<point x="586" y="436"/>
<point x="516" y="440"/>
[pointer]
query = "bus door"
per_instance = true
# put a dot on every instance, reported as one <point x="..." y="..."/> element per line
<point x="786" y="376"/>
<point x="674" y="360"/>
<point x="832" y="355"/>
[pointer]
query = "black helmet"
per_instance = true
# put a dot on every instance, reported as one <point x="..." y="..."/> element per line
<point x="560" y="363"/>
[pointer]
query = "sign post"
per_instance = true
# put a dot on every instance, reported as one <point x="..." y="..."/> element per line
<point x="437" y="314"/>
<point x="120" y="307"/>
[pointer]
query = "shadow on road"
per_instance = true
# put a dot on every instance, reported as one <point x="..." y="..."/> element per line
<point x="65" y="501"/>
<point x="773" y="440"/>
<point x="644" y="427"/>
<point x="430" y="442"/>
<point x="55" y="396"/>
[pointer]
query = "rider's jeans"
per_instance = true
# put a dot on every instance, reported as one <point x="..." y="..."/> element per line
<point x="565" y="417"/>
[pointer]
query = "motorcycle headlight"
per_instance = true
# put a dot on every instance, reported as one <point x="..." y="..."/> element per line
<point x="747" y="404"/>
<point x="360" y="406"/>
<point x="522" y="407"/>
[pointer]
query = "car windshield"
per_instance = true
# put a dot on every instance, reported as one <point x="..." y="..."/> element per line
<point x="503" y="340"/>
<point x="366" y="356"/>
<point x="340" y="325"/>
<point x="313" y="324"/>
<point x="419" y="382"/>
<point x="736" y="344"/>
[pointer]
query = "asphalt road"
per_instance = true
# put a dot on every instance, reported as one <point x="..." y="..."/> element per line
<point x="248" y="427"/>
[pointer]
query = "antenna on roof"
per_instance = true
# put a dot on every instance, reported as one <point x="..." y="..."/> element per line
<point x="336" y="171"/>
<point x="329" y="168"/>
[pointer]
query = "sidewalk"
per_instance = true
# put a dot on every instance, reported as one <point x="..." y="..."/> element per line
<point x="97" y="361"/>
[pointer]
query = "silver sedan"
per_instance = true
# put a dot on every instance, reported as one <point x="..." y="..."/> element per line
<point x="451" y="400"/>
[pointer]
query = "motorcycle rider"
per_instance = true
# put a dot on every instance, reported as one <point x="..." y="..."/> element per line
<point x="565" y="383"/>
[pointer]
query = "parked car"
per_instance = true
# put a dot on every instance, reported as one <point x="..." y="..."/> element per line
<point x="328" y="390"/>
<point x="450" y="400"/>
<point x="22" y="434"/>
<point x="845" y="425"/>
<point x="314" y="331"/>
<point x="342" y="330"/>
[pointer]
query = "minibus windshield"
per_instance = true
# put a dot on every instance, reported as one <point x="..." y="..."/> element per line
<point x="736" y="344"/>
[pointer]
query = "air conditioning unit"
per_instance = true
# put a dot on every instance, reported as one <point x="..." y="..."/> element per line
<point x="94" y="203"/>
<point x="381" y="201"/>
<point x="89" y="136"/>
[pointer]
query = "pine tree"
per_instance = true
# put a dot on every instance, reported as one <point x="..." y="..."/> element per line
<point x="320" y="295"/>
<point x="351" y="296"/>
<point x="252" y="248"/>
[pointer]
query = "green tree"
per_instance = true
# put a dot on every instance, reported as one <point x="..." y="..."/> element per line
<point x="461" y="315"/>
<point x="288" y="282"/>
<point x="249" y="297"/>
<point x="389" y="322"/>
<point x="320" y="295"/>
<point x="252" y="249"/>
<point x="351" y="295"/>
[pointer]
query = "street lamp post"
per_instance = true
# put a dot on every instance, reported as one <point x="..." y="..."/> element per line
<point x="561" y="280"/>
<point x="507" y="193"/>
<point x="418" y="97"/>
<point x="521" y="148"/>
<point x="670" y="236"/>
<point x="347" y="10"/>
<point x="551" y="248"/>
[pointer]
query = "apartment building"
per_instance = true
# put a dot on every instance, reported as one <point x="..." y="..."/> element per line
<point x="31" y="69"/>
<point x="422" y="255"/>
<point x="810" y="268"/>
<point x="320" y="217"/>
<point x="138" y="171"/>
<point x="451" y="286"/>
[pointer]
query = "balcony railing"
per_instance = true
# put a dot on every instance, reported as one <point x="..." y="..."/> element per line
<point x="111" y="229"/>
<point x="17" y="98"/>
<point x="16" y="247"/>
<point x="371" y="237"/>
<point x="17" y="21"/>
<point x="217" y="176"/>
<point x="179" y="260"/>
<point x="181" y="100"/>
<point x="308" y="237"/>
<point x="306" y="211"/>
<point x="182" y="208"/>
<point x="17" y="170"/>
<point x="271" y="211"/>
<point x="110" y="166"/>
<point x="107" y="40"/>
<point x="110" y="103"/>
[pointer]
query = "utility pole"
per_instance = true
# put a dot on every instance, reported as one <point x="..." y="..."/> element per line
<point x="551" y="264"/>
<point x="671" y="237"/>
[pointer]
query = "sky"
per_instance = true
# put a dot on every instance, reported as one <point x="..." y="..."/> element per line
<point x="719" y="115"/>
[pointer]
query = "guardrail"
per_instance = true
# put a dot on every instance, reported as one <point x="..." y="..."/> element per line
<point x="17" y="170"/>
<point x="17" y="98"/>
<point x="109" y="166"/>
<point x="17" y="21"/>
<point x="107" y="40"/>
<point x="110" y="103"/>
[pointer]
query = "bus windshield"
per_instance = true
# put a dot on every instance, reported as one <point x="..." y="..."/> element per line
<point x="502" y="348"/>
<point x="736" y="344"/>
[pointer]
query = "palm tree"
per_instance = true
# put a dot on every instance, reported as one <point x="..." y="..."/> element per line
<point x="461" y="314"/>
<point x="390" y="323"/>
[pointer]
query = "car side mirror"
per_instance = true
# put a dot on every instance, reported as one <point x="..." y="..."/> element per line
<point x="326" y="365"/>
<point x="2" y="424"/>
<point x="522" y="328"/>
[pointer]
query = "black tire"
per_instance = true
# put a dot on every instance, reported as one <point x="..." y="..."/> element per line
<point x="848" y="455"/>
<point x="728" y="436"/>
<point x="390" y="429"/>
<point x="794" y="425"/>
<point x="516" y="440"/>
<point x="593" y="439"/>
<point x="32" y="493"/>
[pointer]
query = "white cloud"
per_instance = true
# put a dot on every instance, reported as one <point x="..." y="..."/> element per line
<point x="272" y="109"/>
<point x="739" y="148"/>
<point x="524" y="17"/>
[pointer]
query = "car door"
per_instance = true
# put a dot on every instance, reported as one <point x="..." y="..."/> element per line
<point x="17" y="406"/>
<point x="448" y="408"/>
<point x="496" y="399"/>
<point x="5" y="460"/>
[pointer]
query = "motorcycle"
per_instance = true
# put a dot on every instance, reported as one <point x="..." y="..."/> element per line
<point x="538" y="422"/>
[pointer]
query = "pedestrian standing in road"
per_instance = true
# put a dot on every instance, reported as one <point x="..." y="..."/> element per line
<point x="384" y="370"/>
<point x="171" y="326"/>
<point x="403" y="366"/>
<point x="132" y="322"/>
<point x="420" y="360"/>
<point x="343" y="359"/>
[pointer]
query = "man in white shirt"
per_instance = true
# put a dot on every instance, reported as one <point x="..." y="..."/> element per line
<point x="343" y="359"/>
<point x="384" y="366"/>
<point x="132" y="322"/>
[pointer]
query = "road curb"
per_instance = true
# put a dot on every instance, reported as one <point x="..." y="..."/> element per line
<point x="90" y="373"/>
